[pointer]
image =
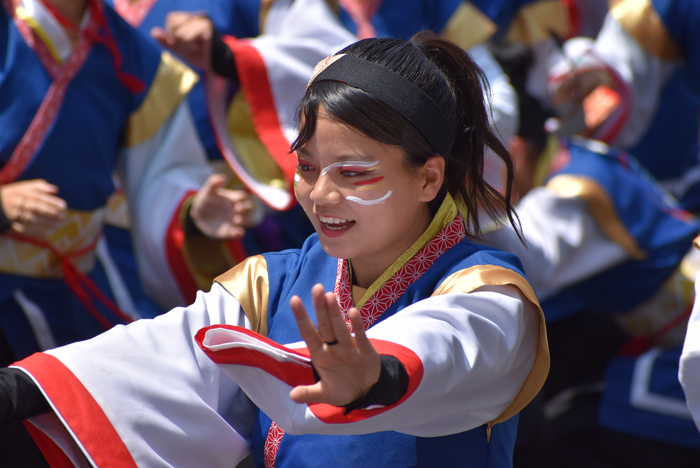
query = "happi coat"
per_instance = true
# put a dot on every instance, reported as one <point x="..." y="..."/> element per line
<point x="605" y="238"/>
<point x="651" y="106"/>
<point x="73" y="115"/>
<point x="201" y="386"/>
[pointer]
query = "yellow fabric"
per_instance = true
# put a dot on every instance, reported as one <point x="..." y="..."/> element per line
<point x="248" y="282"/>
<point x="36" y="27"/>
<point x="445" y="214"/>
<point x="77" y="230"/>
<point x="544" y="163"/>
<point x="537" y="21"/>
<point x="468" y="26"/>
<point x="471" y="279"/>
<point x="601" y="207"/>
<point x="205" y="258"/>
<point x="253" y="154"/>
<point x="171" y="84"/>
<point x="669" y="302"/>
<point x="642" y="22"/>
<point x="118" y="211"/>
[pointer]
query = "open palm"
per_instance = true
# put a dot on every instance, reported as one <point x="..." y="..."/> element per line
<point x="347" y="363"/>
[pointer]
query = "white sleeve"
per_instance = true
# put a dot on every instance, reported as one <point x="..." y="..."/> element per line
<point x="644" y="74"/>
<point x="467" y="357"/>
<point x="689" y="371"/>
<point x="159" y="174"/>
<point x="565" y="245"/>
<point x="169" y="404"/>
<point x="273" y="71"/>
<point x="502" y="108"/>
<point x="502" y="102"/>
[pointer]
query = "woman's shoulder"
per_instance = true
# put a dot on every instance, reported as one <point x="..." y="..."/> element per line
<point x="468" y="254"/>
<point x="474" y="265"/>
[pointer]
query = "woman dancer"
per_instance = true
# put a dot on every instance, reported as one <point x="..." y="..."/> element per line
<point x="423" y="355"/>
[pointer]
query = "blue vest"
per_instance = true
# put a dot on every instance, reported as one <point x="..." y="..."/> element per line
<point x="665" y="233"/>
<point x="83" y="142"/>
<point x="238" y="18"/>
<point x="294" y="272"/>
<point x="652" y="218"/>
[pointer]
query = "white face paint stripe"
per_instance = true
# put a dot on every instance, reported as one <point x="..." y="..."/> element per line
<point x="376" y="201"/>
<point x="364" y="164"/>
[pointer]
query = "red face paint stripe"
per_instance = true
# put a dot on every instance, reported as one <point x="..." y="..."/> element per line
<point x="373" y="180"/>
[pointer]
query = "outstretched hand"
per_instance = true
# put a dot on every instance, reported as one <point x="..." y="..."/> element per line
<point x="32" y="206"/>
<point x="347" y="364"/>
<point x="221" y="213"/>
<point x="189" y="35"/>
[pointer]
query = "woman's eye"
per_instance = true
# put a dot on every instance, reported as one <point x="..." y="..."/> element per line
<point x="350" y="174"/>
<point x="304" y="167"/>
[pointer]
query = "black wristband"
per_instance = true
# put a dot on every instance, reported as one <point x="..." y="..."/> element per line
<point x="391" y="386"/>
<point x="5" y="222"/>
<point x="20" y="398"/>
<point x="189" y="227"/>
<point x="222" y="61"/>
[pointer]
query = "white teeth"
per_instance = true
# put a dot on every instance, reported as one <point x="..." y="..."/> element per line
<point x="332" y="220"/>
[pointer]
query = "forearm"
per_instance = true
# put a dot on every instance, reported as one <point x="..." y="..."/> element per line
<point x="466" y="357"/>
<point x="20" y="397"/>
<point x="222" y="61"/>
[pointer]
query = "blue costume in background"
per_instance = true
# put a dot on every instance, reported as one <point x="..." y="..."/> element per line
<point x="97" y="118"/>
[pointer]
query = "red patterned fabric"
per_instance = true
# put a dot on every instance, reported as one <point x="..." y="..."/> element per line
<point x="62" y="75"/>
<point x="394" y="288"/>
<point x="272" y="444"/>
<point x="390" y="292"/>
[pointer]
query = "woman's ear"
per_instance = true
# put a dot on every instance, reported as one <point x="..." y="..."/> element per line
<point x="433" y="174"/>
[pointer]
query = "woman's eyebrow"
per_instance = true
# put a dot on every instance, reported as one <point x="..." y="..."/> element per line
<point x="303" y="152"/>
<point x="362" y="164"/>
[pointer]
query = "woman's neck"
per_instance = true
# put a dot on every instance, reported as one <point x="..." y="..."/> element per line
<point x="73" y="10"/>
<point x="366" y="270"/>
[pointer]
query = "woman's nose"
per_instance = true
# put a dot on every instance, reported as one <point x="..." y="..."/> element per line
<point x="325" y="191"/>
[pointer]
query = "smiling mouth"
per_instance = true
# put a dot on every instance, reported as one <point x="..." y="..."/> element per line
<point x="335" y="224"/>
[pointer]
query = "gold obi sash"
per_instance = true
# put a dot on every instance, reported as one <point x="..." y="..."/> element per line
<point x="662" y="320"/>
<point x="74" y="238"/>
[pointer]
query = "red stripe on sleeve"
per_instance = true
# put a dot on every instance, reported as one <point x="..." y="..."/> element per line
<point x="289" y="372"/>
<point x="414" y="367"/>
<point x="51" y="451"/>
<point x="252" y="74"/>
<point x="174" y="244"/>
<point x="80" y="411"/>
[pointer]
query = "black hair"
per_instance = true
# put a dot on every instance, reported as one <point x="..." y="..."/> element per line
<point x="516" y="60"/>
<point x="447" y="74"/>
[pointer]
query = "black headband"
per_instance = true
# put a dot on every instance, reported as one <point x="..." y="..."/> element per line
<point x="396" y="91"/>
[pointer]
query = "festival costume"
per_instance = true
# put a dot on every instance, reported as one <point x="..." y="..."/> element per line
<point x="689" y="371"/>
<point x="460" y="318"/>
<point x="648" y="49"/>
<point x="238" y="18"/>
<point x="605" y="240"/>
<point x="111" y="100"/>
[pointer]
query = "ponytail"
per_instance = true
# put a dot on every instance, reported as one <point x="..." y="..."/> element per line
<point x="451" y="79"/>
